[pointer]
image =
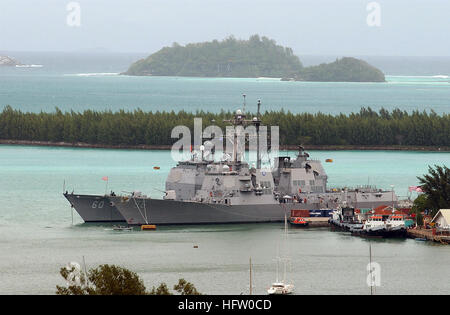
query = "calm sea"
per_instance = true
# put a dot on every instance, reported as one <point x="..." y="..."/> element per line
<point x="37" y="236"/>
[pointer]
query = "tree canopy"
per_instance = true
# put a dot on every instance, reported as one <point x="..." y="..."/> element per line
<point x="103" y="280"/>
<point x="436" y="186"/>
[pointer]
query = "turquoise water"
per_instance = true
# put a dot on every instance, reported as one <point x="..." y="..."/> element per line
<point x="34" y="91"/>
<point x="91" y="81"/>
<point x="37" y="238"/>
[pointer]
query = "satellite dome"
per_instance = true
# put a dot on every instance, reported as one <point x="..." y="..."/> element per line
<point x="255" y="118"/>
<point x="238" y="112"/>
<point x="226" y="168"/>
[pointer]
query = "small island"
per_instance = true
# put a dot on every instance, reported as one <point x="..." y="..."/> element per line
<point x="346" y="69"/>
<point x="8" y="61"/>
<point x="252" y="58"/>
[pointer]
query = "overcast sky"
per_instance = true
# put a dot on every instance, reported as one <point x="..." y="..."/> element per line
<point x="317" y="27"/>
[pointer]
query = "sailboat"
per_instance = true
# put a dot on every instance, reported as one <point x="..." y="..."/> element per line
<point x="282" y="287"/>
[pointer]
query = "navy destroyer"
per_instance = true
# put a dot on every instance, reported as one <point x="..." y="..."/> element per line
<point x="202" y="191"/>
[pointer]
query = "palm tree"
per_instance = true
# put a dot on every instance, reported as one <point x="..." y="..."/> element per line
<point x="436" y="186"/>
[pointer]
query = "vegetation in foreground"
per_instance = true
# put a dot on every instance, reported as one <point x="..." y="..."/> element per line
<point x="436" y="191"/>
<point x="114" y="280"/>
<point x="252" y="58"/>
<point x="366" y="128"/>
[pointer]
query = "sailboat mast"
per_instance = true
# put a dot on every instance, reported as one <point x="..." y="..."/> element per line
<point x="278" y="261"/>
<point x="370" y="268"/>
<point x="257" y="123"/>
<point x="285" y="247"/>
<point x="251" y="289"/>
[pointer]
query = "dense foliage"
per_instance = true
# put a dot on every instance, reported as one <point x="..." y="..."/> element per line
<point x="436" y="188"/>
<point x="114" y="280"/>
<point x="256" y="57"/>
<point x="367" y="127"/>
<point x="342" y="70"/>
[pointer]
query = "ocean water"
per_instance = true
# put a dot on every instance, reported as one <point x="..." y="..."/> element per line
<point x="37" y="236"/>
<point x="80" y="82"/>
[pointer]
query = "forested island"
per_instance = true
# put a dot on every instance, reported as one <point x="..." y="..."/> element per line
<point x="252" y="58"/>
<point x="385" y="128"/>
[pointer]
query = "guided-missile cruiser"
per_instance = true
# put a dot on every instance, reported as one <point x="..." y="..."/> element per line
<point x="201" y="190"/>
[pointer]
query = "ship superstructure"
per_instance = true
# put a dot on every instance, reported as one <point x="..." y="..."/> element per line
<point x="202" y="190"/>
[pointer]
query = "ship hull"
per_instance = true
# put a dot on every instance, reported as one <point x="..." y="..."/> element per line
<point x="138" y="211"/>
<point x="382" y="233"/>
<point x="94" y="208"/>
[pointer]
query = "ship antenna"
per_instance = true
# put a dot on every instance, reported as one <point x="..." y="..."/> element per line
<point x="243" y="110"/>
<point x="258" y="122"/>
<point x="259" y="107"/>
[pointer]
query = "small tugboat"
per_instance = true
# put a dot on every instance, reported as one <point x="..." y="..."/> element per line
<point x="374" y="225"/>
<point x="298" y="221"/>
<point x="395" y="226"/>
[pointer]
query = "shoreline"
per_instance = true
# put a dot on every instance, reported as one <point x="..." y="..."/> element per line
<point x="282" y="147"/>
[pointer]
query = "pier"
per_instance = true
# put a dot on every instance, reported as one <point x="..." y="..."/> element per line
<point x="428" y="234"/>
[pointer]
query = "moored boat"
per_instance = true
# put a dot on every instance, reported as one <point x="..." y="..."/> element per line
<point x="376" y="226"/>
<point x="122" y="228"/>
<point x="298" y="221"/>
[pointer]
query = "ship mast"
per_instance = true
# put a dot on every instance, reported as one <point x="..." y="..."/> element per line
<point x="239" y="119"/>
<point x="257" y="123"/>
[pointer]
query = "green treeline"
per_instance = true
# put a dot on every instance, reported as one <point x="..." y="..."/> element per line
<point x="137" y="127"/>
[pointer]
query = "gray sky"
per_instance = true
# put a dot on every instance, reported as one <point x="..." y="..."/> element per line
<point x="323" y="27"/>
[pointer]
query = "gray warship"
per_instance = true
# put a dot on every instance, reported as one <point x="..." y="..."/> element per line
<point x="205" y="191"/>
<point x="94" y="208"/>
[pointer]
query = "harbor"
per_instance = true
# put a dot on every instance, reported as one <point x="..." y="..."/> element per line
<point x="202" y="189"/>
<point x="221" y="154"/>
<point x="430" y="235"/>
